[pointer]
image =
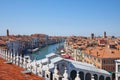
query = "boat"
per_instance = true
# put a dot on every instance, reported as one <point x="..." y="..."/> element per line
<point x="33" y="50"/>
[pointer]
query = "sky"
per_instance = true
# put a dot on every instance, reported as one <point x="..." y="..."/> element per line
<point x="60" y="17"/>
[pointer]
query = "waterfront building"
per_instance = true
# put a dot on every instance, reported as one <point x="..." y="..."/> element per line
<point x="117" y="71"/>
<point x="101" y="52"/>
<point x="22" y="43"/>
<point x="14" y="46"/>
<point x="35" y="42"/>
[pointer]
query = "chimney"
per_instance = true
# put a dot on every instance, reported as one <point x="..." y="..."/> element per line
<point x="7" y="32"/>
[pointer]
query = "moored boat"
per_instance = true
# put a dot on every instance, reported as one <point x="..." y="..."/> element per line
<point x="33" y="50"/>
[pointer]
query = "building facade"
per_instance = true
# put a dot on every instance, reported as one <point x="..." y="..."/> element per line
<point x="117" y="71"/>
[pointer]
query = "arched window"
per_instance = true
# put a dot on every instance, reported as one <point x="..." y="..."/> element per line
<point x="73" y="74"/>
<point x="81" y="74"/>
<point x="101" y="77"/>
<point x="118" y="78"/>
<point x="113" y="76"/>
<point x="47" y="76"/>
<point x="88" y="76"/>
<point x="51" y="76"/>
<point x="55" y="79"/>
<point x="108" y="78"/>
<point x="95" y="76"/>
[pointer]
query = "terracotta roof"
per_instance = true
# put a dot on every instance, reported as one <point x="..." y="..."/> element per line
<point x="2" y="42"/>
<point x="13" y="72"/>
<point x="103" y="52"/>
<point x="118" y="46"/>
<point x="96" y="50"/>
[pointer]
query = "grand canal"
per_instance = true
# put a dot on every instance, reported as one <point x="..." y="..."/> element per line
<point x="44" y="51"/>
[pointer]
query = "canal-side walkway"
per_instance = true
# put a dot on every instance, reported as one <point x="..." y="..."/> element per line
<point x="13" y="72"/>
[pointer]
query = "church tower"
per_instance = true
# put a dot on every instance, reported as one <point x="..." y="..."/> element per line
<point x="7" y="32"/>
<point x="104" y="36"/>
<point x="92" y="35"/>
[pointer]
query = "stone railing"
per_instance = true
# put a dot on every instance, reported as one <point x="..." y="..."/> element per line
<point x="32" y="66"/>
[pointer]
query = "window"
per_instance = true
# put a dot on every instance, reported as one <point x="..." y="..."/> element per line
<point x="99" y="67"/>
<point x="99" y="60"/>
<point x="108" y="61"/>
<point x="47" y="76"/>
<point x="103" y="61"/>
<point x="87" y="55"/>
<point x="104" y="68"/>
<point x="118" y="68"/>
<point x="91" y="56"/>
<point x="113" y="68"/>
<point x="109" y="68"/>
<point x="94" y="58"/>
<point x="113" y="61"/>
<point x="84" y="55"/>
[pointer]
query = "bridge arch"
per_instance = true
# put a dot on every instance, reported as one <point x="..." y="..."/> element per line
<point x="73" y="74"/>
<point x="88" y="76"/>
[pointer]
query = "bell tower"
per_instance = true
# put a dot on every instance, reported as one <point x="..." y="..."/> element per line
<point x="7" y="32"/>
<point x="92" y="35"/>
<point x="104" y="36"/>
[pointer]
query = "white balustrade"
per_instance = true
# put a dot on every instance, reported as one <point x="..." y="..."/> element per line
<point x="14" y="58"/>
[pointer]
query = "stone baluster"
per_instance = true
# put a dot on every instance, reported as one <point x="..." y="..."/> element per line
<point x="92" y="78"/>
<point x="37" y="68"/>
<point x="0" y="52"/>
<point x="47" y="72"/>
<point x="8" y="56"/>
<point x="24" y="63"/>
<point x="5" y="54"/>
<point x="65" y="75"/>
<point x="40" y="73"/>
<point x="34" y="66"/>
<point x="28" y="64"/>
<point x="21" y="60"/>
<point x="77" y="77"/>
<point x="14" y="58"/>
<point x="56" y="75"/>
<point x="17" y="59"/>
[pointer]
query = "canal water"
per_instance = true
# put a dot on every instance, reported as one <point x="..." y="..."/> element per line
<point x="44" y="51"/>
